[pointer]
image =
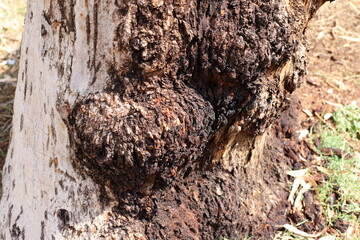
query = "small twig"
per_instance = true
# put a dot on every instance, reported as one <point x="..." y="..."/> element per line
<point x="334" y="104"/>
<point x="8" y="80"/>
<point x="351" y="39"/>
<point x="323" y="121"/>
<point x="8" y="127"/>
<point x="7" y="103"/>
<point x="354" y="7"/>
<point x="332" y="85"/>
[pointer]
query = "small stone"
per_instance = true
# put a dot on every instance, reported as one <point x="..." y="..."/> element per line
<point x="11" y="62"/>
<point x="219" y="191"/>
<point x="139" y="236"/>
<point x="327" y="116"/>
<point x="157" y="3"/>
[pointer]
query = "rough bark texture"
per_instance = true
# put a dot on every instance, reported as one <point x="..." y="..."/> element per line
<point x="189" y="71"/>
<point x="160" y="109"/>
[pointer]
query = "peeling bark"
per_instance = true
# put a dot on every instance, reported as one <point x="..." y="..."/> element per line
<point x="153" y="118"/>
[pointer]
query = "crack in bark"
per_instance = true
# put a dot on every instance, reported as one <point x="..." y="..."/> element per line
<point x="94" y="65"/>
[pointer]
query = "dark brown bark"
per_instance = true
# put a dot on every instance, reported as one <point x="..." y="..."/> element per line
<point x="177" y="135"/>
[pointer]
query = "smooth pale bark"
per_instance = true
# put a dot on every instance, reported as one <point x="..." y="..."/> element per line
<point x="88" y="65"/>
<point x="39" y="179"/>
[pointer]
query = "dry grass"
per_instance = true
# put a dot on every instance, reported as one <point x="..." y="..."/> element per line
<point x="6" y="101"/>
<point x="11" y="26"/>
<point x="334" y="36"/>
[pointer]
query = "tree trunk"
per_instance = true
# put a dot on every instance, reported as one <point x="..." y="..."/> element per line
<point x="147" y="119"/>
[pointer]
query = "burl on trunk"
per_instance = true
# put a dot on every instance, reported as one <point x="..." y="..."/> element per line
<point x="162" y="107"/>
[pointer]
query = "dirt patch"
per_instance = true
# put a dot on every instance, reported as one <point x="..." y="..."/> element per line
<point x="333" y="69"/>
<point x="298" y="154"/>
<point x="333" y="81"/>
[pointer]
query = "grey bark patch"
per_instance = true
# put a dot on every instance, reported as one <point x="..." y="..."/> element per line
<point x="61" y="183"/>
<point x="95" y="26"/>
<point x="53" y="133"/>
<point x="63" y="219"/>
<point x="42" y="236"/>
<point x="9" y="216"/>
<point x="15" y="231"/>
<point x="21" y="212"/>
<point x="48" y="142"/>
<point x="21" y="122"/>
<point x="25" y="88"/>
<point x="73" y="179"/>
<point x="31" y="88"/>
<point x="43" y="31"/>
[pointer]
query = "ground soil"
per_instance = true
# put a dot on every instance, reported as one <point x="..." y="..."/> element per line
<point x="334" y="67"/>
<point x="333" y="78"/>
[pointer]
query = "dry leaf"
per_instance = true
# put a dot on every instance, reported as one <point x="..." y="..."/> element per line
<point x="350" y="38"/>
<point x="320" y="35"/>
<point x="324" y="170"/>
<point x="305" y="187"/>
<point x="302" y="158"/>
<point x="328" y="237"/>
<point x="298" y="173"/>
<point x="307" y="112"/>
<point x="296" y="231"/>
<point x="295" y="187"/>
<point x="2" y="5"/>
<point x="303" y="182"/>
<point x="349" y="232"/>
<point x="334" y="104"/>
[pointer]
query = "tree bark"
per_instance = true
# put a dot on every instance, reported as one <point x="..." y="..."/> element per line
<point x="147" y="119"/>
